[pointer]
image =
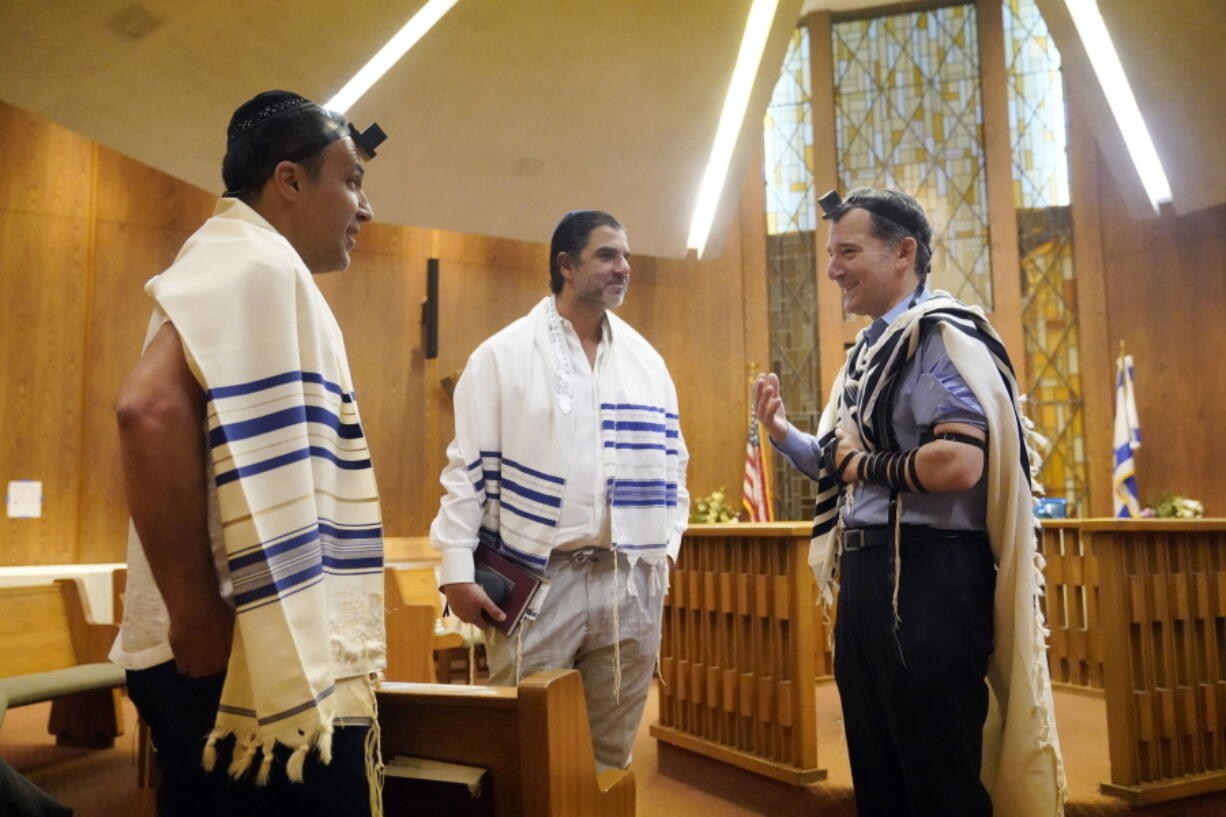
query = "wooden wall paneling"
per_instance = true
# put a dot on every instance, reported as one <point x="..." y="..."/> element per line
<point x="136" y="194"/>
<point x="46" y="264"/>
<point x="1166" y="295"/>
<point x="125" y="257"/>
<point x="375" y="305"/>
<point x="1097" y="360"/>
<point x="754" y="302"/>
<point x="476" y="299"/>
<point x="45" y="223"/>
<point x="692" y="312"/>
<point x="998" y="164"/>
<point x="830" y="319"/>
<point x="47" y="169"/>
<point x="143" y="217"/>
<point x="755" y="310"/>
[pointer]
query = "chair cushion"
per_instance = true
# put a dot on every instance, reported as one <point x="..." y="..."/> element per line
<point x="43" y="686"/>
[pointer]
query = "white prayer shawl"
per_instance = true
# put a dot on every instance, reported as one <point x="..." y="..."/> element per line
<point x="515" y="427"/>
<point x="1022" y="766"/>
<point x="295" y="488"/>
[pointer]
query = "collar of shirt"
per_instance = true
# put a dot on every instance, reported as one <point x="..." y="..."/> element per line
<point x="606" y="328"/>
<point x="878" y="326"/>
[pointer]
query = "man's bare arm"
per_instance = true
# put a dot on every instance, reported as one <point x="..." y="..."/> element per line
<point x="160" y="410"/>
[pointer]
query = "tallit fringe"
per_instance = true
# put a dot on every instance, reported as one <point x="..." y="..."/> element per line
<point x="247" y="745"/>
<point x="373" y="754"/>
<point x="1035" y="443"/>
<point x="617" y="642"/>
<point x="898" y="576"/>
<point x="519" y="649"/>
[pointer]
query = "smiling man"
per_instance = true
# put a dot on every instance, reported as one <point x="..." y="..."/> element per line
<point x="253" y="615"/>
<point x="924" y="518"/>
<point x="568" y="457"/>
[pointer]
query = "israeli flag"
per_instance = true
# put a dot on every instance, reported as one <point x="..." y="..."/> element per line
<point x="1127" y="440"/>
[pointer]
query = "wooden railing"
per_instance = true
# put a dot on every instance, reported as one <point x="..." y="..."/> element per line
<point x="1162" y="617"/>
<point x="1071" y="607"/>
<point x="738" y="654"/>
<point x="1136" y="608"/>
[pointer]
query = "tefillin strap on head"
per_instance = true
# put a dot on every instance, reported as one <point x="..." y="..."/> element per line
<point x="883" y="206"/>
<point x="366" y="141"/>
<point x="278" y="106"/>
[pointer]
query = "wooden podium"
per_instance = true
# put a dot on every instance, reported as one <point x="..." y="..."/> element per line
<point x="739" y="658"/>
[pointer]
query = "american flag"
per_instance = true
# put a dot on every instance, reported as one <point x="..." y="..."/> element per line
<point x="755" y="489"/>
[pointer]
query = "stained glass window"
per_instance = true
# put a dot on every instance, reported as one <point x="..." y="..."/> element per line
<point x="1036" y="109"/>
<point x="788" y="130"/>
<point x="1049" y="286"/>
<point x="791" y="262"/>
<point x="909" y="116"/>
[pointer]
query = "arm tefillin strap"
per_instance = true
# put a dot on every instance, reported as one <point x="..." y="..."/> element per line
<point x="965" y="439"/>
<point x="891" y="469"/>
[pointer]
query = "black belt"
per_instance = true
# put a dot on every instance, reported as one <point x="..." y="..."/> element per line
<point x="877" y="535"/>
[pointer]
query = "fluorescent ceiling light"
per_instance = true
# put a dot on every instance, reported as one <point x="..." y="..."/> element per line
<point x="387" y="56"/>
<point x="753" y="43"/>
<point x="1097" y="42"/>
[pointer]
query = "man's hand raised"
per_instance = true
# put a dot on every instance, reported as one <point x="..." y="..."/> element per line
<point x="768" y="406"/>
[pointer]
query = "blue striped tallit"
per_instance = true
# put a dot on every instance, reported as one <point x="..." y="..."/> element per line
<point x="295" y="487"/>
<point x="515" y="429"/>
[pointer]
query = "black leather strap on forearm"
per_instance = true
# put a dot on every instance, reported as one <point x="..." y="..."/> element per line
<point x="891" y="469"/>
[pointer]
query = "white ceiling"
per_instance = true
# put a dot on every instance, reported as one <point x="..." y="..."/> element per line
<point x="1171" y="54"/>
<point x="511" y="112"/>
<point x="505" y="116"/>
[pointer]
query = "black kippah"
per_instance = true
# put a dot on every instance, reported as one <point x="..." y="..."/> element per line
<point x="261" y="108"/>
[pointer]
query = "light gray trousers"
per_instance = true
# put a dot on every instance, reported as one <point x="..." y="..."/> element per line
<point x="574" y="630"/>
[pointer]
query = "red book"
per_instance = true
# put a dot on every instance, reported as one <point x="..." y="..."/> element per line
<point x="509" y="584"/>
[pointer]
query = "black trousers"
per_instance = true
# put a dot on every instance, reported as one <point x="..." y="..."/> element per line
<point x="914" y="697"/>
<point x="180" y="713"/>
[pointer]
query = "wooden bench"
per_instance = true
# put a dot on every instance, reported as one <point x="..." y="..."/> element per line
<point x="406" y="591"/>
<point x="534" y="740"/>
<point x="410" y="629"/>
<point x="50" y="650"/>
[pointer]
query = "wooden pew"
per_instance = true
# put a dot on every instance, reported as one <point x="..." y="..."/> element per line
<point x="534" y="740"/>
<point x="410" y="633"/>
<point x="50" y="649"/>
<point x="411" y="596"/>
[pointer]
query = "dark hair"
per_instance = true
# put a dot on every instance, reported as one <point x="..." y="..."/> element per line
<point x="570" y="237"/>
<point x="895" y="216"/>
<point x="271" y="128"/>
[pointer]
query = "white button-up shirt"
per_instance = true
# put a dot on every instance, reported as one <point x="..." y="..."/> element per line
<point x="584" y="518"/>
